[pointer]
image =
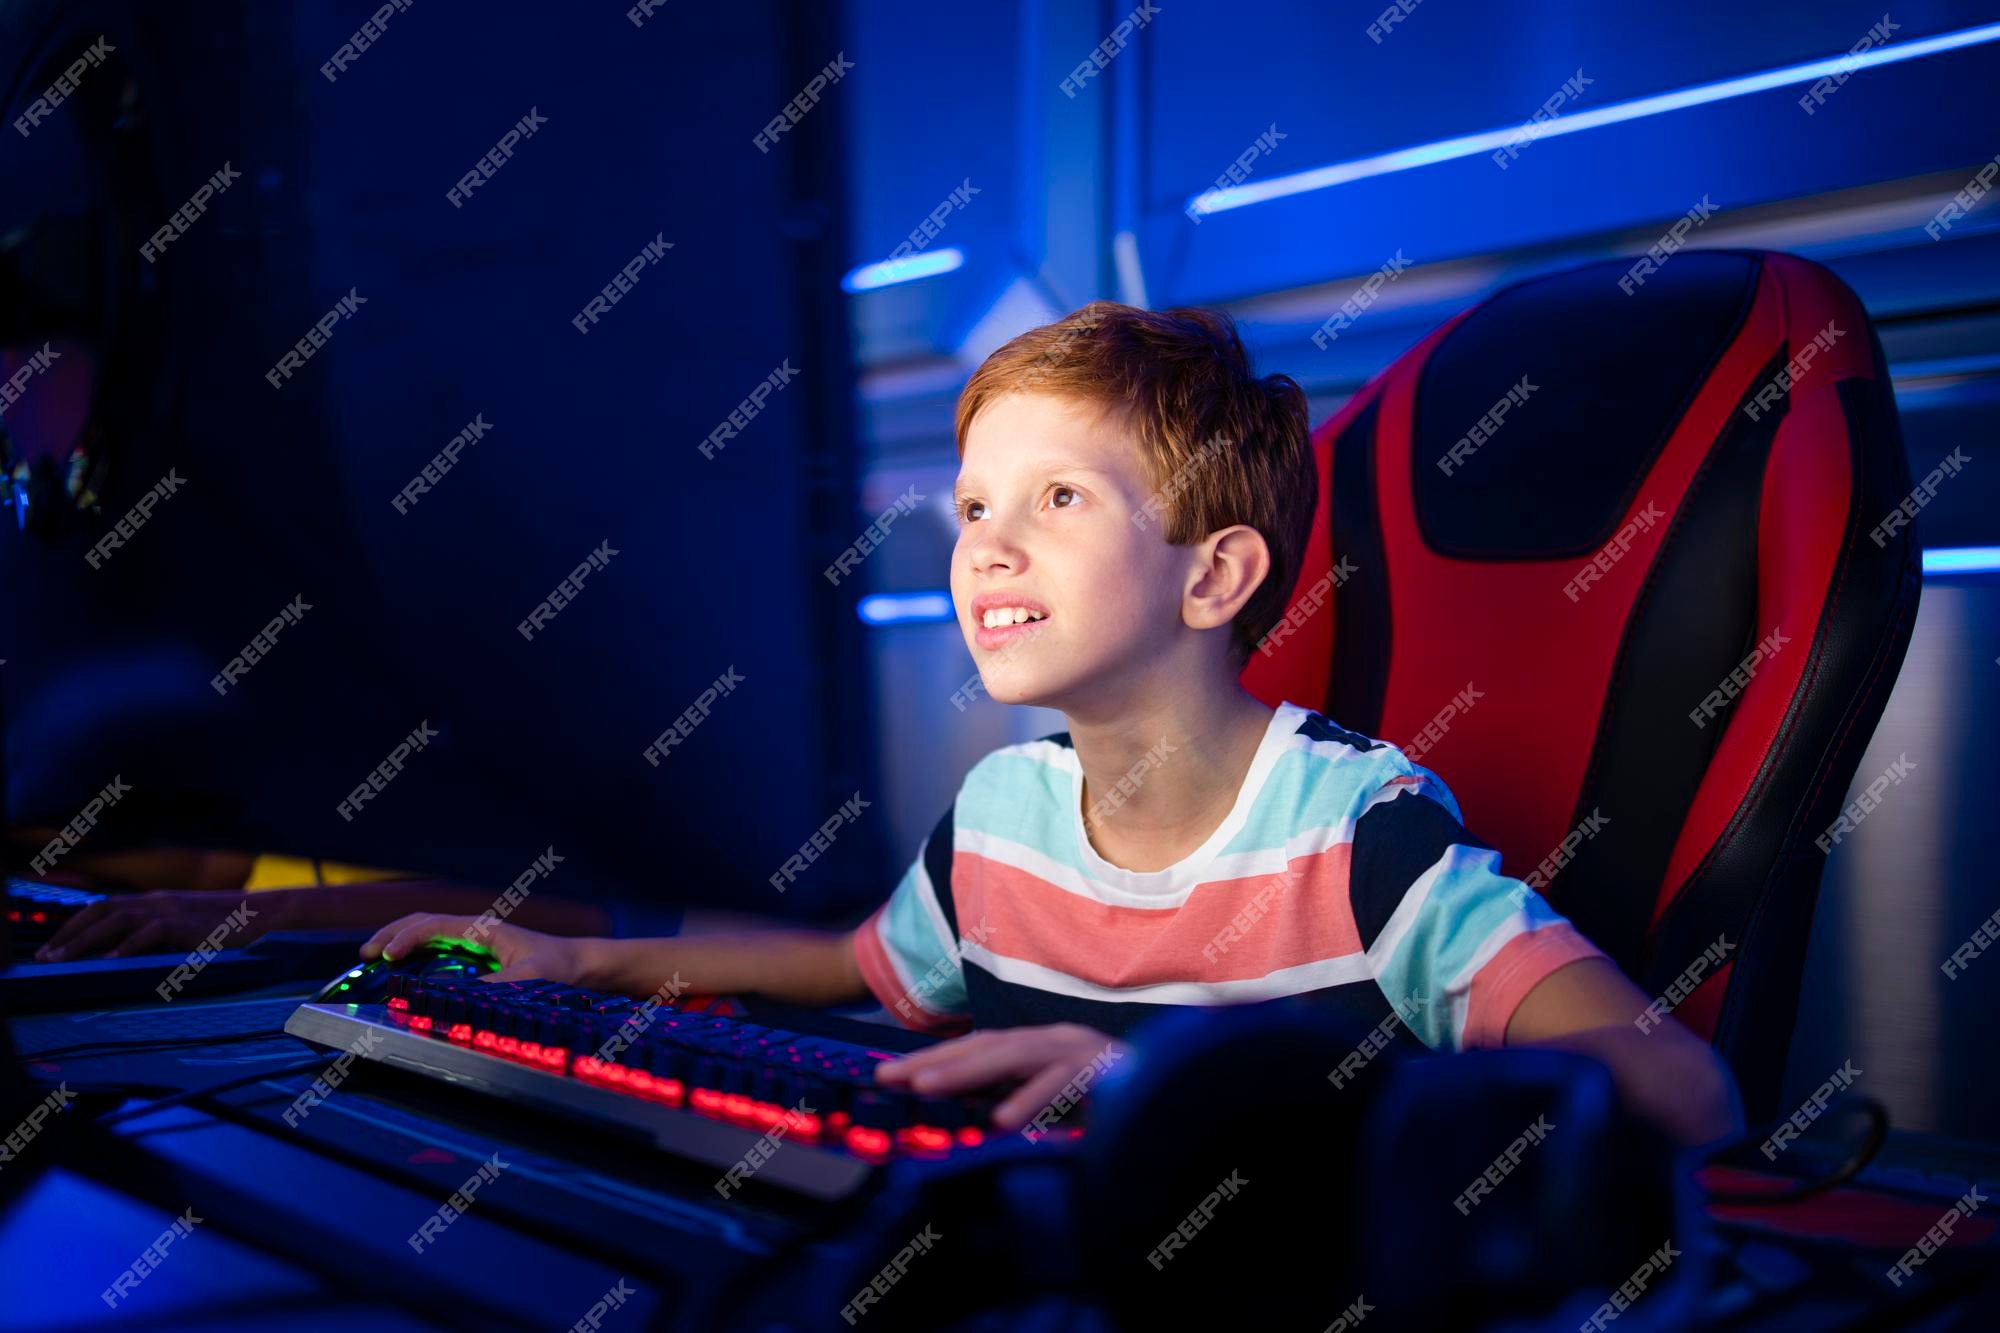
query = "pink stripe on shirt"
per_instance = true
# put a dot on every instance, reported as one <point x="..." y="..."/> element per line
<point x="906" y="1006"/>
<point x="1226" y="930"/>
<point x="1522" y="964"/>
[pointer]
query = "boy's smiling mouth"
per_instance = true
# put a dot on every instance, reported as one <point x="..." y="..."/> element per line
<point x="1002" y="618"/>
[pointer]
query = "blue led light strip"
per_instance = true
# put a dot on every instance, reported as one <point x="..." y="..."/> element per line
<point x="889" y="272"/>
<point x="1444" y="150"/>
<point x="1962" y="560"/>
<point x="904" y="608"/>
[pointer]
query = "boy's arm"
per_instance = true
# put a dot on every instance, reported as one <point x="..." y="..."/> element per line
<point x="900" y="956"/>
<point x="1667" y="1075"/>
<point x="1540" y="982"/>
<point x="796" y="966"/>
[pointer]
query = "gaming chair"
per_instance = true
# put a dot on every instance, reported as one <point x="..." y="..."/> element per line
<point x="1642" y="618"/>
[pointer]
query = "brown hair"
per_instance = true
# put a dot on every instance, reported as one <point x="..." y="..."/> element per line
<point x="1223" y="446"/>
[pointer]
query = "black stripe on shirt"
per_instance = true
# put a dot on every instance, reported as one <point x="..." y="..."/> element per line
<point x="1394" y="844"/>
<point x="995" y="1003"/>
<point x="1317" y="727"/>
<point x="937" y="864"/>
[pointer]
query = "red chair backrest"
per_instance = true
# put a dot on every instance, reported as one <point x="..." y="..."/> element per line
<point x="1616" y="569"/>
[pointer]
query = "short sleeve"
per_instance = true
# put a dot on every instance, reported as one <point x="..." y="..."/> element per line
<point x="907" y="949"/>
<point x="1454" y="944"/>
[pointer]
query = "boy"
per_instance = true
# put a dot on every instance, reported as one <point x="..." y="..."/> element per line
<point x="1133" y="503"/>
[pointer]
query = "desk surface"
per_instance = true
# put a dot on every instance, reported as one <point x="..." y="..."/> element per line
<point x="317" y="1215"/>
<point x="339" y="1192"/>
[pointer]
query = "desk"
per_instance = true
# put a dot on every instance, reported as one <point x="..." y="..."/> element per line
<point x="317" y="1215"/>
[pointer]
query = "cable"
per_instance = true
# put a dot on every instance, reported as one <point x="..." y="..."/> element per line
<point x="208" y="1090"/>
<point x="1878" y="1133"/>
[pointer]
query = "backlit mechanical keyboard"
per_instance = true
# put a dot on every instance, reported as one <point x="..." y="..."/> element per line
<point x="701" y="1086"/>
<point x="36" y="911"/>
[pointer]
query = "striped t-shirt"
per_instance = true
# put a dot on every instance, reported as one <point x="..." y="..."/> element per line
<point x="1342" y="875"/>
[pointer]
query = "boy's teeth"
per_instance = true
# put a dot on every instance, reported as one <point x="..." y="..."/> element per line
<point x="1001" y="616"/>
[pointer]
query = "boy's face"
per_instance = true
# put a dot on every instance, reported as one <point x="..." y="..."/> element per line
<point x="1046" y="495"/>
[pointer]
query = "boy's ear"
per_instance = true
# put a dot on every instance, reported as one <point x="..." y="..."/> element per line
<point x="1229" y="567"/>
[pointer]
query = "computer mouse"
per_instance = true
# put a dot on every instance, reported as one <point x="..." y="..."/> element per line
<point x="368" y="983"/>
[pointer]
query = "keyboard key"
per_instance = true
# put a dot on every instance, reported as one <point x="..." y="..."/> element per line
<point x="822" y="1090"/>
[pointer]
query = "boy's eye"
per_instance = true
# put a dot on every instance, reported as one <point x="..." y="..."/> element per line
<point x="971" y="511"/>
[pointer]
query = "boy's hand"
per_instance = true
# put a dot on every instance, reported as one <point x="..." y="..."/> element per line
<point x="1041" y="1059"/>
<point x="523" y="954"/>
<point x="165" y="921"/>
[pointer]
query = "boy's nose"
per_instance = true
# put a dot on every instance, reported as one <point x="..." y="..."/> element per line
<point x="995" y="551"/>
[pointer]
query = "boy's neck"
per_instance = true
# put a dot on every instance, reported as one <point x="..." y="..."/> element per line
<point x="1186" y="750"/>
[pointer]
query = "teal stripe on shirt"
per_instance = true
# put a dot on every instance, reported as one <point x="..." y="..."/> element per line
<point x="1469" y="900"/>
<point x="910" y="933"/>
<point x="1306" y="790"/>
<point x="1014" y="796"/>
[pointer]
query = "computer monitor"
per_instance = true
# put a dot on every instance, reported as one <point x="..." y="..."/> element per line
<point x="467" y="500"/>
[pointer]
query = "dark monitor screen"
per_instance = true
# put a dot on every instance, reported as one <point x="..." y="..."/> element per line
<point x="475" y="451"/>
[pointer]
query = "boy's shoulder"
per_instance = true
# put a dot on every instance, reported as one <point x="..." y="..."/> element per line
<point x="1327" y="769"/>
